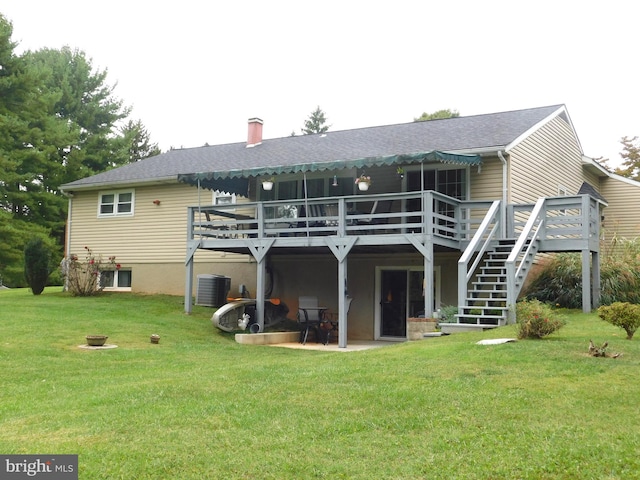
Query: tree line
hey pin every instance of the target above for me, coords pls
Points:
(59, 121)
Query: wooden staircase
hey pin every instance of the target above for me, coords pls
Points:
(487, 304)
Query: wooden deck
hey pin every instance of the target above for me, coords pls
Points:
(498, 243)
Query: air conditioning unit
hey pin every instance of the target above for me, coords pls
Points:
(212, 290)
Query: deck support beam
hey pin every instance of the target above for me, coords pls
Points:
(188, 286)
(259, 250)
(590, 280)
(340, 247)
(424, 245)
(595, 276)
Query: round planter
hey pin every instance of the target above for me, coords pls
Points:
(267, 185)
(96, 340)
(363, 186)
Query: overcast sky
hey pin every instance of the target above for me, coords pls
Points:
(195, 71)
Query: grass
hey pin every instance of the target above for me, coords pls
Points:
(199, 405)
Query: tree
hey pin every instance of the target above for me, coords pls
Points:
(14, 235)
(37, 259)
(316, 123)
(28, 135)
(138, 141)
(440, 114)
(630, 154)
(59, 121)
(87, 104)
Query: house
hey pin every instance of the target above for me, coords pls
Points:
(455, 213)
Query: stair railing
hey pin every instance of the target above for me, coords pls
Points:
(518, 257)
(486, 233)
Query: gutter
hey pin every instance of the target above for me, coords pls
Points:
(69, 187)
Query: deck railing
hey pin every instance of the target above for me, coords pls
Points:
(446, 220)
(430, 213)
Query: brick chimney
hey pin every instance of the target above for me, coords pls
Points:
(255, 132)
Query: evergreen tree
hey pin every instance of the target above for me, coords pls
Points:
(316, 123)
(440, 114)
(138, 141)
(37, 259)
(59, 121)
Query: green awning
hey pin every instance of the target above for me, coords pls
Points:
(237, 181)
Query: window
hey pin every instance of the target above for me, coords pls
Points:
(223, 198)
(115, 204)
(116, 280)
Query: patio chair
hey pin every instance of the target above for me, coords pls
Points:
(378, 207)
(332, 321)
(310, 314)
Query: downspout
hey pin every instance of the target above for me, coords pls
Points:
(67, 250)
(505, 191)
(67, 240)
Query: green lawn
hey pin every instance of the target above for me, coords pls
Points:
(199, 406)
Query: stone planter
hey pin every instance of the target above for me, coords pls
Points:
(96, 340)
(417, 327)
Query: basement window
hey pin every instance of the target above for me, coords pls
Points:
(116, 280)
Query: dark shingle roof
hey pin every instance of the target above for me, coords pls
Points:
(462, 135)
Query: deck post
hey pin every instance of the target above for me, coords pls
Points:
(260, 296)
(191, 249)
(586, 281)
(428, 283)
(595, 278)
(188, 286)
(342, 302)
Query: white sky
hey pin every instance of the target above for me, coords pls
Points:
(194, 71)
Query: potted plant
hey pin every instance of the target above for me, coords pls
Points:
(363, 182)
(268, 183)
(400, 172)
(96, 340)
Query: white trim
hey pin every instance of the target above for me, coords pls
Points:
(540, 124)
(116, 201)
(116, 273)
(218, 195)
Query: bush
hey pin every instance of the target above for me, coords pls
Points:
(83, 277)
(558, 280)
(622, 314)
(37, 260)
(448, 314)
(536, 319)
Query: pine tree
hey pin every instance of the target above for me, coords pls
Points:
(316, 123)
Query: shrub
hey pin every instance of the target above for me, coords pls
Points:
(622, 314)
(37, 259)
(536, 319)
(448, 314)
(83, 277)
(558, 280)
